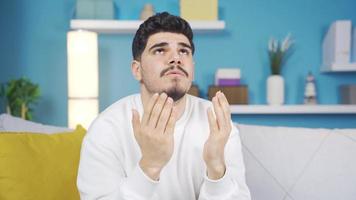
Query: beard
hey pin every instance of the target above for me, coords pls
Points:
(176, 92)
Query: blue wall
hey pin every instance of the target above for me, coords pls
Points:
(33, 44)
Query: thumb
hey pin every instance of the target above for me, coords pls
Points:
(135, 120)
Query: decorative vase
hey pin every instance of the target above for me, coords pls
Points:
(275, 90)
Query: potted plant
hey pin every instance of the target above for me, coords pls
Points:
(19, 96)
(278, 52)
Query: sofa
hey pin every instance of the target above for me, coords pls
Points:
(282, 163)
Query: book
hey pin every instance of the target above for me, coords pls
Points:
(227, 76)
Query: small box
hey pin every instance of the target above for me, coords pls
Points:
(85, 9)
(199, 9)
(234, 94)
(194, 90)
(94, 9)
(104, 9)
(348, 94)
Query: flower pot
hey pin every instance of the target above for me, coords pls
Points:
(275, 90)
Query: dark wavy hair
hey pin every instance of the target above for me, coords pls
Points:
(160, 22)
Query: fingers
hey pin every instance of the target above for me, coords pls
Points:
(135, 121)
(171, 122)
(222, 111)
(158, 114)
(165, 114)
(225, 105)
(156, 111)
(212, 121)
(220, 118)
(148, 109)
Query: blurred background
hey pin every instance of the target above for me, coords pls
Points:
(33, 44)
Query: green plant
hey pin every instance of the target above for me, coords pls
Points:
(278, 53)
(19, 95)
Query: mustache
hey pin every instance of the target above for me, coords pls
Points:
(171, 68)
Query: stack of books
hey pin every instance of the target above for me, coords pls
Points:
(228, 81)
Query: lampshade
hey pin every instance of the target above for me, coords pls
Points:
(82, 111)
(82, 77)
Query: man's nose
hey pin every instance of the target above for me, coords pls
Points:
(175, 58)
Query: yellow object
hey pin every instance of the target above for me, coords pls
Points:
(37, 166)
(199, 9)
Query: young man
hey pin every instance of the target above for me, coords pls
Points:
(163, 144)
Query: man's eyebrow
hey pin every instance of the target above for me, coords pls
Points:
(161, 44)
(185, 45)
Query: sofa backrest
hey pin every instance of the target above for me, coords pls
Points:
(299, 163)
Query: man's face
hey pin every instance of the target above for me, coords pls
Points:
(166, 65)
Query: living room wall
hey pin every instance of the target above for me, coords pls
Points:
(33, 44)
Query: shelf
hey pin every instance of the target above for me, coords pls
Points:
(293, 109)
(350, 67)
(130, 26)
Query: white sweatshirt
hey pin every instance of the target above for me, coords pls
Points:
(109, 167)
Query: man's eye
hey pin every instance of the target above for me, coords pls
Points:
(184, 51)
(159, 51)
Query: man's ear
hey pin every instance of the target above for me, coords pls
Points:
(136, 69)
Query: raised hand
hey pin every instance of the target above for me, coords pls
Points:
(220, 128)
(154, 134)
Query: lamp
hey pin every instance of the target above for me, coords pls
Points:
(83, 103)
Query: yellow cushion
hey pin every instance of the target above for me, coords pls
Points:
(39, 166)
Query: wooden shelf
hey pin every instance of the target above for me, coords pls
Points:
(293, 109)
(350, 67)
(130, 26)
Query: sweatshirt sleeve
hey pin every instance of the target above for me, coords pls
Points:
(232, 186)
(101, 174)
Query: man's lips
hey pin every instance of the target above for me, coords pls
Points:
(175, 72)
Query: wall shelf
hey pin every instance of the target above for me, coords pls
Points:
(130, 26)
(350, 67)
(293, 109)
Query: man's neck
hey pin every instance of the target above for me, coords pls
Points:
(179, 105)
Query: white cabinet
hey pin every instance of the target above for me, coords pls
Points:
(337, 48)
(348, 67)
